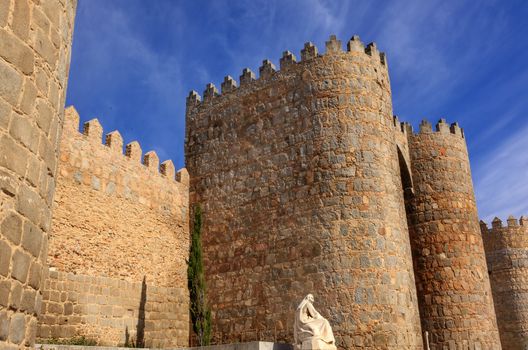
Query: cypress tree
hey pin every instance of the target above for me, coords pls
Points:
(200, 311)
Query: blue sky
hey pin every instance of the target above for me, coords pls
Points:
(134, 61)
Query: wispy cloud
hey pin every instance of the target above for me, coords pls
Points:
(134, 62)
(501, 179)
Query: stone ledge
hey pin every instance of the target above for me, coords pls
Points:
(255, 345)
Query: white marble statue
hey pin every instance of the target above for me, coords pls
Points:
(311, 331)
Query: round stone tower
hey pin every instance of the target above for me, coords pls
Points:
(298, 176)
(35, 44)
(507, 256)
(456, 306)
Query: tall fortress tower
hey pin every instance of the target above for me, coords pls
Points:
(507, 255)
(309, 184)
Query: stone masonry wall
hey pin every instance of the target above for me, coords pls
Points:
(507, 257)
(453, 288)
(298, 176)
(117, 216)
(35, 45)
(113, 312)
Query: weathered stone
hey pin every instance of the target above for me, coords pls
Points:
(35, 274)
(22, 131)
(13, 156)
(27, 303)
(507, 261)
(44, 47)
(29, 204)
(45, 116)
(5, 114)
(15, 295)
(5, 289)
(10, 81)
(21, 19)
(4, 325)
(444, 220)
(15, 51)
(20, 168)
(4, 12)
(17, 329)
(20, 265)
(32, 239)
(12, 228)
(27, 103)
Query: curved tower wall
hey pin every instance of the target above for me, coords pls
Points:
(507, 256)
(298, 177)
(450, 268)
(35, 45)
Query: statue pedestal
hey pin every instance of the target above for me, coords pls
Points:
(317, 344)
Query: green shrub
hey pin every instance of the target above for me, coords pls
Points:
(200, 311)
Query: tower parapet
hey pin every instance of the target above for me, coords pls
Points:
(453, 288)
(294, 171)
(506, 248)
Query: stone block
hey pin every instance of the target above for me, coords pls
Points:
(40, 20)
(17, 328)
(4, 12)
(22, 131)
(20, 265)
(15, 295)
(55, 308)
(45, 116)
(13, 156)
(10, 83)
(27, 303)
(16, 52)
(5, 257)
(31, 332)
(20, 23)
(12, 228)
(29, 204)
(5, 289)
(35, 273)
(68, 308)
(38, 303)
(29, 96)
(5, 113)
(4, 325)
(32, 239)
(44, 47)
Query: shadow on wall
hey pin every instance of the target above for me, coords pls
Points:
(140, 328)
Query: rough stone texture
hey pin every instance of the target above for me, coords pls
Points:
(107, 309)
(115, 217)
(28, 151)
(456, 305)
(299, 179)
(507, 257)
(256, 345)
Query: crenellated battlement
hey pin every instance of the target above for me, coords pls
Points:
(288, 62)
(425, 127)
(500, 235)
(93, 131)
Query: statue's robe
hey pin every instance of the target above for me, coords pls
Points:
(309, 324)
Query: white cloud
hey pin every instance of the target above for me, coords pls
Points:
(501, 180)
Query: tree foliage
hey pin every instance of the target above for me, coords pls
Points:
(200, 311)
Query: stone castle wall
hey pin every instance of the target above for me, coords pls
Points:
(35, 45)
(117, 216)
(113, 312)
(452, 282)
(507, 256)
(299, 179)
